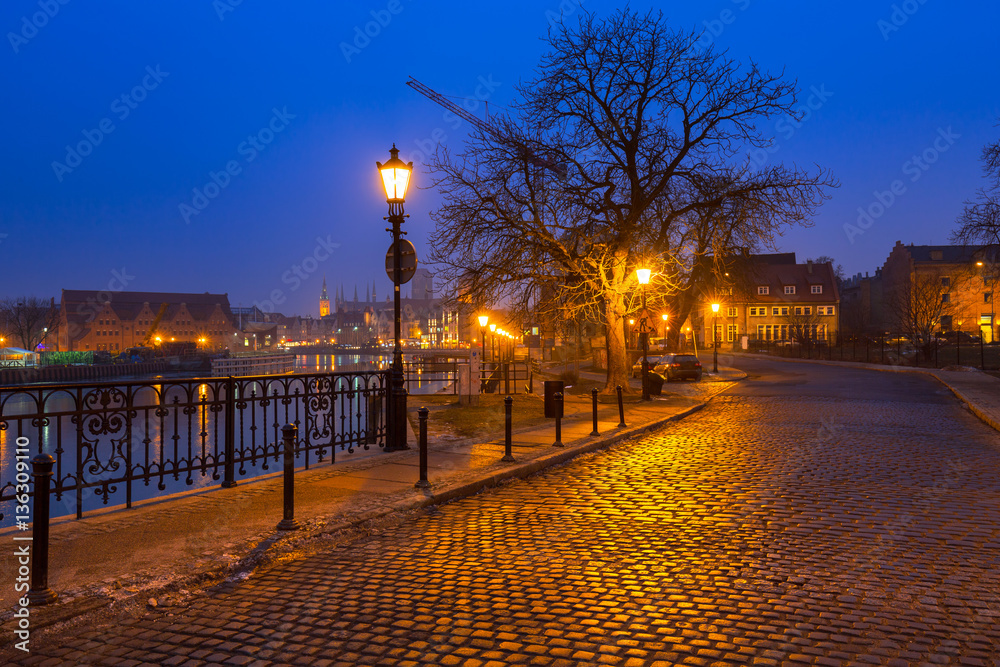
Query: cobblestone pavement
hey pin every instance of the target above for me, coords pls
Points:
(836, 517)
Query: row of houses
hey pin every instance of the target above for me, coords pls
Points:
(922, 290)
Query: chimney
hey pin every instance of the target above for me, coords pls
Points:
(809, 266)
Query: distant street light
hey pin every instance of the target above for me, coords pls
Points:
(715, 342)
(643, 277)
(395, 179)
(665, 316)
(483, 320)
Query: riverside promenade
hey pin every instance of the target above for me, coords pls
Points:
(809, 514)
(160, 552)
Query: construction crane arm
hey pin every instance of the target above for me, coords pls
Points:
(156, 323)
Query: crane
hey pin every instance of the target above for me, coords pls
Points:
(156, 322)
(559, 169)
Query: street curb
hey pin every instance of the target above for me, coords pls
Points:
(975, 409)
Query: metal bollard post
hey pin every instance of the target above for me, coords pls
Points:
(288, 434)
(40, 593)
(559, 411)
(621, 409)
(593, 397)
(982, 353)
(508, 406)
(422, 483)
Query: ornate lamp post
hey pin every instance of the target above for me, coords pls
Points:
(643, 277)
(483, 320)
(715, 343)
(395, 179)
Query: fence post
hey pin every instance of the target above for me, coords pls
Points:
(288, 434)
(621, 408)
(593, 397)
(422, 483)
(228, 480)
(508, 406)
(559, 410)
(40, 593)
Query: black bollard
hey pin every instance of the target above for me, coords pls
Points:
(559, 412)
(621, 409)
(508, 406)
(593, 398)
(422, 483)
(982, 353)
(40, 593)
(288, 434)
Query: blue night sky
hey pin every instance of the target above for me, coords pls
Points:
(887, 93)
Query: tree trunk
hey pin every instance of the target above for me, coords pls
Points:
(618, 366)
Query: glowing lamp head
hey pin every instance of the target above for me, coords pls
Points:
(631, 321)
(664, 316)
(395, 177)
(483, 319)
(715, 307)
(493, 327)
(643, 276)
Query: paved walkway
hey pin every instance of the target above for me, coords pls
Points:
(809, 516)
(978, 390)
(160, 550)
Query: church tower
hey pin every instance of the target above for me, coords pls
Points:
(324, 301)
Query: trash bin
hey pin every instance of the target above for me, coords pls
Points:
(552, 387)
(654, 382)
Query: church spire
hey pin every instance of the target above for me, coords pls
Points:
(323, 295)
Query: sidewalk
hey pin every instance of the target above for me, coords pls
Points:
(979, 391)
(160, 552)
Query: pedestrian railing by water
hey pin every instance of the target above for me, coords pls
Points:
(118, 443)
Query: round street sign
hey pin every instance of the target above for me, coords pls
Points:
(407, 262)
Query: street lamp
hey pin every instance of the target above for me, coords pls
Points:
(715, 343)
(483, 319)
(395, 179)
(665, 316)
(642, 275)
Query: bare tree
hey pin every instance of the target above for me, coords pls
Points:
(916, 307)
(626, 142)
(27, 318)
(979, 222)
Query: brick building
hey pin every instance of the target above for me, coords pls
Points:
(116, 321)
(771, 297)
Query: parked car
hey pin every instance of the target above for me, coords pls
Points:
(653, 361)
(950, 337)
(679, 367)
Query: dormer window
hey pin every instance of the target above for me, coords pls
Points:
(763, 290)
(789, 289)
(817, 289)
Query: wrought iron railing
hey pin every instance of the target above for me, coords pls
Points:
(123, 442)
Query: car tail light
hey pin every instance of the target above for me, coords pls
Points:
(697, 364)
(675, 365)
